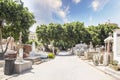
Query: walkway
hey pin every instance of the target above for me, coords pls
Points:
(63, 68)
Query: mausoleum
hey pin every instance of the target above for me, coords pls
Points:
(116, 45)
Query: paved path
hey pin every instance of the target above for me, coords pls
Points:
(64, 53)
(63, 68)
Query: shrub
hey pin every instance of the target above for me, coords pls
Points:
(96, 60)
(51, 55)
(115, 62)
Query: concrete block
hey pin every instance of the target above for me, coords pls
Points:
(23, 66)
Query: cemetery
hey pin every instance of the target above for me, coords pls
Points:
(105, 56)
(60, 50)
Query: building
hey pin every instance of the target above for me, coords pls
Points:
(32, 36)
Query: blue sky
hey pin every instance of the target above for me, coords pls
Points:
(91, 12)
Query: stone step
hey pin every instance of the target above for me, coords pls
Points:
(38, 59)
(38, 62)
(33, 59)
(112, 72)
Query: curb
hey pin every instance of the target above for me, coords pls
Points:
(105, 71)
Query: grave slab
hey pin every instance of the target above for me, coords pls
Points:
(23, 66)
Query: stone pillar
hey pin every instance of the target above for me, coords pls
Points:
(108, 47)
(116, 45)
(32, 53)
(105, 47)
(33, 46)
(105, 56)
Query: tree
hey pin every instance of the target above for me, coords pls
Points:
(69, 34)
(42, 34)
(18, 19)
(100, 32)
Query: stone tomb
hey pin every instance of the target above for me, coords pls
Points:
(116, 45)
(108, 55)
(32, 56)
(91, 52)
(22, 66)
(34, 59)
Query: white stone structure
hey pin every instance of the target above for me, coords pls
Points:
(33, 52)
(116, 45)
(108, 56)
(91, 49)
(33, 36)
(21, 65)
(11, 44)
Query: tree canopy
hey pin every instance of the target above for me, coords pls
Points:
(64, 36)
(100, 32)
(17, 17)
(67, 35)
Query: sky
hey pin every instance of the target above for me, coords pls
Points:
(91, 12)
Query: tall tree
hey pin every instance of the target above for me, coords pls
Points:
(100, 32)
(18, 19)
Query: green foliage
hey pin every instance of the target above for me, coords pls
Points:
(51, 55)
(100, 32)
(67, 35)
(63, 36)
(115, 62)
(17, 17)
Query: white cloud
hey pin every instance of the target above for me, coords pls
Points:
(44, 10)
(76, 1)
(98, 4)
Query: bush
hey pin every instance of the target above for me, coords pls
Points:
(115, 62)
(96, 60)
(51, 55)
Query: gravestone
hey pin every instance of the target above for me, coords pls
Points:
(11, 44)
(21, 65)
(27, 48)
(20, 49)
(116, 45)
(33, 52)
(91, 49)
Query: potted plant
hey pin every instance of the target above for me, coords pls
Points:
(114, 65)
(96, 60)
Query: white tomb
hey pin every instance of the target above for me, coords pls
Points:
(20, 64)
(116, 44)
(108, 55)
(33, 52)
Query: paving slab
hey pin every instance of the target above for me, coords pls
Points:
(63, 68)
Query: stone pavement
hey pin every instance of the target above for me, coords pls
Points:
(105, 69)
(64, 53)
(1, 63)
(62, 68)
